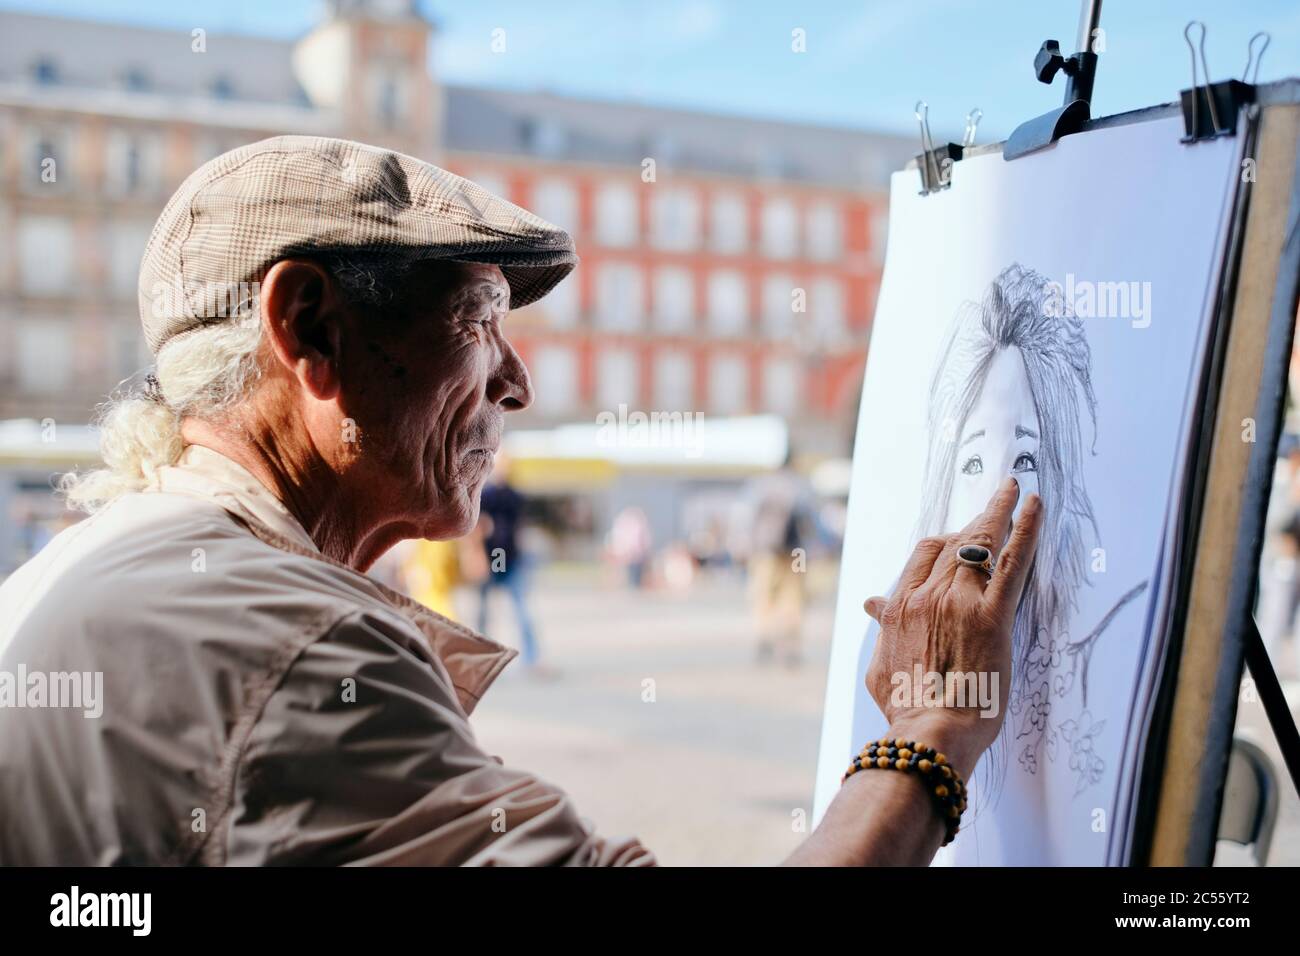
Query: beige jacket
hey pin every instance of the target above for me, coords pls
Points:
(261, 703)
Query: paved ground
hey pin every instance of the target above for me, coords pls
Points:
(660, 722)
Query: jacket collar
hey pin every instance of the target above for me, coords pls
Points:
(472, 661)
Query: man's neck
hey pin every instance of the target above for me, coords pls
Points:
(294, 470)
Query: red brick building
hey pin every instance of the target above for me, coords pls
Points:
(729, 265)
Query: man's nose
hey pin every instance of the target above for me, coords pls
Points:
(511, 387)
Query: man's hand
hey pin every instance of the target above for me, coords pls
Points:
(947, 617)
(952, 618)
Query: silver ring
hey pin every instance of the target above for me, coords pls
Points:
(976, 556)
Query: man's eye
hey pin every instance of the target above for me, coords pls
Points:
(1025, 463)
(974, 466)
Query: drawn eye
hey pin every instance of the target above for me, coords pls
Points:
(1025, 463)
(974, 466)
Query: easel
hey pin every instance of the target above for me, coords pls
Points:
(1186, 766)
(1212, 631)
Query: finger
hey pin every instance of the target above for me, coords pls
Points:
(1013, 567)
(918, 566)
(990, 530)
(875, 607)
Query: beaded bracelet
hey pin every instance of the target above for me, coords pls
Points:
(943, 783)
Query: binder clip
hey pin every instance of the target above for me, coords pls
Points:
(936, 164)
(1210, 111)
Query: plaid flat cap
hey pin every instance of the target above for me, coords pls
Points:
(238, 214)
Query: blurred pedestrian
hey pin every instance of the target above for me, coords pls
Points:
(778, 564)
(499, 517)
(1279, 573)
(430, 573)
(631, 544)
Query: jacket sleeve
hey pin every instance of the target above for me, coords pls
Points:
(362, 755)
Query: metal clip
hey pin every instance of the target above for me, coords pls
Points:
(1205, 67)
(1251, 57)
(935, 164)
(1223, 100)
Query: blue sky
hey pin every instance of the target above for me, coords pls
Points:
(867, 61)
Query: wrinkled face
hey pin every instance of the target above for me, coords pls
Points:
(429, 391)
(1000, 437)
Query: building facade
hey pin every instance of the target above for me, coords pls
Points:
(729, 266)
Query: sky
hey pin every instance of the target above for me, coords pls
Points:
(866, 62)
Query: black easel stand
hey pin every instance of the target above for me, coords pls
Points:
(1081, 70)
(1274, 701)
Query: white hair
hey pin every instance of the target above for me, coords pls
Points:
(201, 374)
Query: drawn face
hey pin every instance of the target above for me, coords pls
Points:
(1000, 438)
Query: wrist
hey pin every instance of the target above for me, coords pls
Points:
(947, 733)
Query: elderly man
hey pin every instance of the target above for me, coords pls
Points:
(263, 700)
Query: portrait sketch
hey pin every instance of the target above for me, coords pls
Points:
(1012, 394)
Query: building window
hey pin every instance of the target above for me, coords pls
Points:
(222, 88)
(560, 305)
(44, 356)
(45, 71)
(675, 219)
(781, 385)
(780, 229)
(617, 222)
(619, 296)
(126, 242)
(825, 231)
(674, 384)
(388, 95)
(729, 223)
(826, 304)
(45, 255)
(728, 384)
(617, 381)
(543, 137)
(135, 79)
(47, 164)
(778, 305)
(129, 352)
(674, 300)
(134, 163)
(728, 303)
(556, 201)
(879, 234)
(554, 371)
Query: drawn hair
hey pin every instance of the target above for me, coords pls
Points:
(1019, 310)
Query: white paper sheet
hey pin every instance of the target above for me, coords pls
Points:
(1122, 229)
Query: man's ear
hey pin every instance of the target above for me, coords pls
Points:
(303, 316)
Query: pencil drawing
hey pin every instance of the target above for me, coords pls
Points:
(1012, 393)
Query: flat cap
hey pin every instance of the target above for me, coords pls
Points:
(239, 213)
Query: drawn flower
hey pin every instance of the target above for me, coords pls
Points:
(1046, 653)
(1029, 759)
(1016, 704)
(1081, 735)
(1040, 705)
